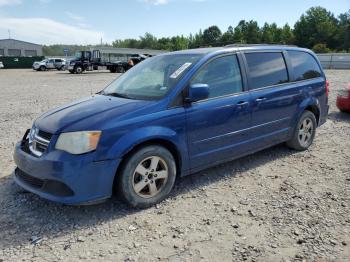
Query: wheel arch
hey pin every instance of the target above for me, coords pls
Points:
(310, 104)
(166, 143)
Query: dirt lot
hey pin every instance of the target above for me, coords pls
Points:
(276, 205)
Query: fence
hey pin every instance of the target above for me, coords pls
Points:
(19, 62)
(335, 60)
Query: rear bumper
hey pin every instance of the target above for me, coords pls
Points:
(79, 181)
(324, 116)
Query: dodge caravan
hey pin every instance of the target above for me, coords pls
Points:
(172, 115)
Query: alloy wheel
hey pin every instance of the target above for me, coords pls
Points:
(150, 176)
(305, 132)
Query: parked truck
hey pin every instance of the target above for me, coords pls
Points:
(93, 60)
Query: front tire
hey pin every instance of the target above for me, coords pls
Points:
(78, 70)
(147, 176)
(304, 132)
(42, 68)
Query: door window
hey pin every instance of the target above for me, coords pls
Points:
(222, 75)
(266, 69)
(304, 65)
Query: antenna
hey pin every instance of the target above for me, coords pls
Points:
(9, 33)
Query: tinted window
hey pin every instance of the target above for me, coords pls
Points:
(304, 65)
(223, 76)
(266, 69)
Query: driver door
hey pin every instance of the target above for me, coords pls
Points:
(217, 126)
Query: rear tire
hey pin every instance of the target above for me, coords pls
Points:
(120, 70)
(147, 177)
(304, 132)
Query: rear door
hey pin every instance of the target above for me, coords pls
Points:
(274, 98)
(50, 63)
(217, 126)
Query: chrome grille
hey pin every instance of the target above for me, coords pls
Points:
(38, 141)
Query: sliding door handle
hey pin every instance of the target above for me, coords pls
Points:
(242, 103)
(260, 99)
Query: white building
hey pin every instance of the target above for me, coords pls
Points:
(13, 47)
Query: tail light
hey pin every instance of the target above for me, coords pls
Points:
(327, 88)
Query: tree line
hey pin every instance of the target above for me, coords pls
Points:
(317, 29)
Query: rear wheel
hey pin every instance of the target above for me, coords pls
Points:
(304, 132)
(120, 69)
(113, 69)
(147, 176)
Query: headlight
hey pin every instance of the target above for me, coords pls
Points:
(78, 142)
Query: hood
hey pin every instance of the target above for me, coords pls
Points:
(88, 113)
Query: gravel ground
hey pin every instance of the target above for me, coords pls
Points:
(276, 205)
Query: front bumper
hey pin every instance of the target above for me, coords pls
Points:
(76, 181)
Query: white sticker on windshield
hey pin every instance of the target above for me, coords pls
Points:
(180, 70)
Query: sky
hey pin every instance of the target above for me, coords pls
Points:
(87, 21)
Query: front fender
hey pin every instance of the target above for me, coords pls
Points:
(140, 135)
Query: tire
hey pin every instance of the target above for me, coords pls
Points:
(42, 68)
(148, 185)
(113, 70)
(78, 69)
(120, 70)
(71, 71)
(61, 68)
(304, 132)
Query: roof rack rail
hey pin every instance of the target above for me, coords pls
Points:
(243, 45)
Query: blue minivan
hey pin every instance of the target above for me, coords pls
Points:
(170, 116)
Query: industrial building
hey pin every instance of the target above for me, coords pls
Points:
(18, 48)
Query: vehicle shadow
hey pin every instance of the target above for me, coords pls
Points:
(339, 116)
(24, 215)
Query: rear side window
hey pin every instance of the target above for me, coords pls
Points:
(304, 65)
(222, 75)
(266, 69)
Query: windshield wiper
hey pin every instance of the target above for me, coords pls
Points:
(116, 95)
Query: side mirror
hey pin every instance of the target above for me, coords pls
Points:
(197, 92)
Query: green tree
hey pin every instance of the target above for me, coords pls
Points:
(212, 35)
(287, 35)
(343, 34)
(228, 37)
(267, 34)
(316, 26)
(321, 48)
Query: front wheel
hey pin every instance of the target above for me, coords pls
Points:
(42, 68)
(78, 70)
(147, 177)
(304, 132)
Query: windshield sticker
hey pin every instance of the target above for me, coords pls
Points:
(180, 70)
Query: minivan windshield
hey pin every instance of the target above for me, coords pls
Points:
(153, 78)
